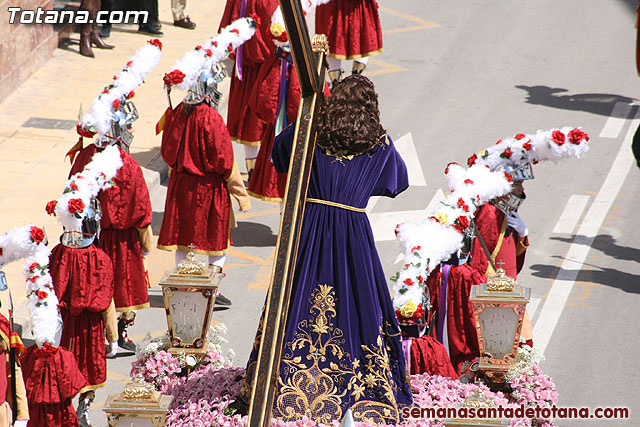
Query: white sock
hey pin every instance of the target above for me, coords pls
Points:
(362, 60)
(218, 260)
(334, 63)
(251, 151)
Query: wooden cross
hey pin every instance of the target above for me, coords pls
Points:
(310, 65)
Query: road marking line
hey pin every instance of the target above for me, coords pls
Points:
(422, 24)
(571, 214)
(383, 224)
(407, 150)
(579, 249)
(533, 306)
(263, 277)
(243, 255)
(387, 68)
(616, 120)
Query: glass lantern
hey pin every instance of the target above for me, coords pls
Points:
(189, 292)
(498, 310)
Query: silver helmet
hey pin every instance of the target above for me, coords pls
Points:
(90, 228)
(206, 87)
(520, 172)
(509, 202)
(120, 132)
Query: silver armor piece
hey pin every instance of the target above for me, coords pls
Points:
(520, 173)
(509, 203)
(206, 87)
(120, 124)
(90, 228)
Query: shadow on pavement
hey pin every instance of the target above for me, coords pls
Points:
(253, 234)
(607, 245)
(595, 103)
(603, 276)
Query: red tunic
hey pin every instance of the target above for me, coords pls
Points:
(352, 26)
(492, 226)
(125, 207)
(266, 183)
(83, 281)
(463, 339)
(429, 356)
(198, 149)
(52, 379)
(244, 125)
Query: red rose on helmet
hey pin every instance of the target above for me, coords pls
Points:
(129, 63)
(116, 104)
(131, 94)
(37, 235)
(463, 221)
(418, 313)
(507, 153)
(173, 78)
(509, 177)
(446, 170)
(42, 295)
(472, 160)
(51, 207)
(558, 137)
(76, 205)
(498, 141)
(520, 136)
(33, 266)
(235, 30)
(468, 181)
(208, 52)
(156, 42)
(408, 281)
(576, 136)
(527, 146)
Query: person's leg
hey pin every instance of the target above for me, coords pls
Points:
(84, 402)
(635, 146)
(105, 31)
(359, 65)
(335, 70)
(250, 156)
(180, 17)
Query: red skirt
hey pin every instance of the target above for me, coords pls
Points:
(244, 125)
(267, 184)
(129, 278)
(83, 335)
(429, 356)
(352, 26)
(197, 211)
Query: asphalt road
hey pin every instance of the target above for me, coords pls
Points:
(454, 78)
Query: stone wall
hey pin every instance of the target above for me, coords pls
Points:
(23, 47)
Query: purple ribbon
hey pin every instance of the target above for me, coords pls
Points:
(442, 306)
(243, 9)
(406, 347)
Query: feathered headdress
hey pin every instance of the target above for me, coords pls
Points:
(184, 74)
(97, 175)
(98, 118)
(277, 27)
(29, 242)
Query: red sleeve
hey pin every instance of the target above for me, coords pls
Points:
(172, 136)
(217, 150)
(127, 204)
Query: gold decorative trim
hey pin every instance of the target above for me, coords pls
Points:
(362, 55)
(133, 308)
(265, 198)
(198, 251)
(243, 142)
(334, 204)
(320, 43)
(92, 387)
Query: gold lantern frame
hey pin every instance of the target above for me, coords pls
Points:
(190, 276)
(500, 291)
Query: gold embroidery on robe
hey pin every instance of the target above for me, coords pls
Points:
(324, 381)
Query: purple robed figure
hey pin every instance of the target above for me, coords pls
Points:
(342, 346)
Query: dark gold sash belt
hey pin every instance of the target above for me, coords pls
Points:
(334, 204)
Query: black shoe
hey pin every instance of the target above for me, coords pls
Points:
(222, 300)
(123, 340)
(149, 29)
(127, 345)
(185, 23)
(105, 31)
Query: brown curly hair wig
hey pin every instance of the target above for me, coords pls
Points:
(349, 119)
